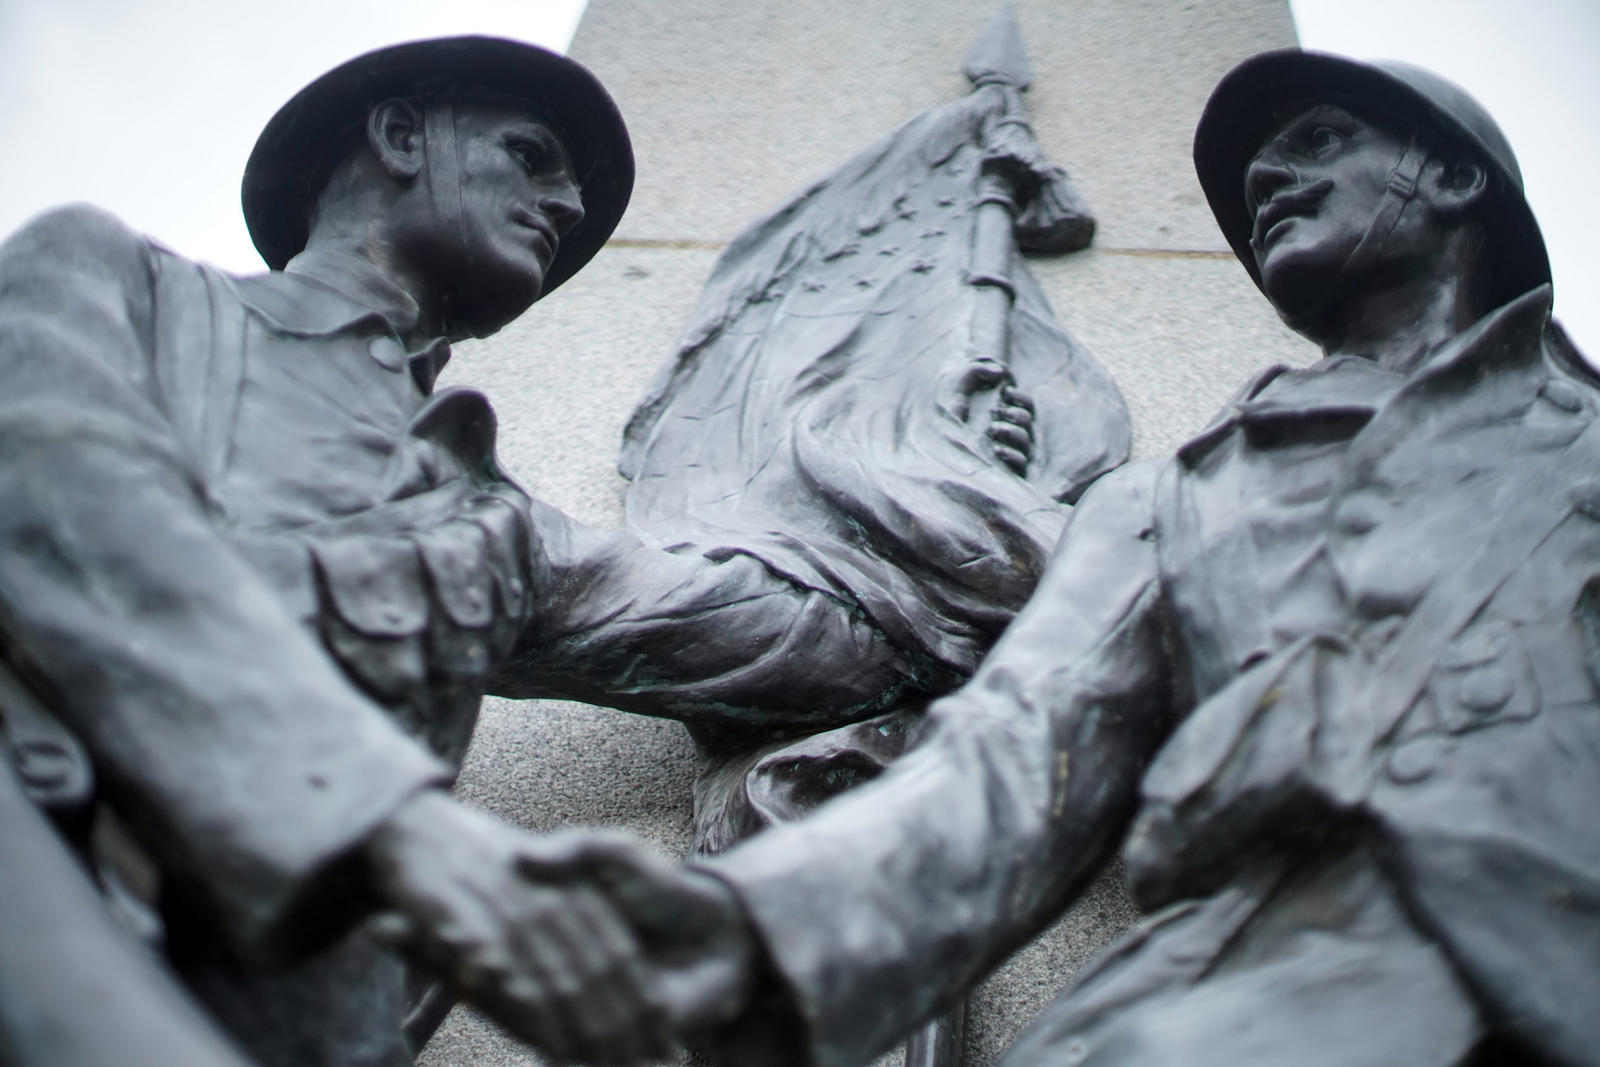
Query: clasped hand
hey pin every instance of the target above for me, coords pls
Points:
(583, 945)
(981, 391)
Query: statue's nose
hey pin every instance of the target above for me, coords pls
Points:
(563, 207)
(1265, 176)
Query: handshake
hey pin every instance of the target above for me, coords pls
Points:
(583, 945)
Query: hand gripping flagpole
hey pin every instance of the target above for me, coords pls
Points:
(1020, 200)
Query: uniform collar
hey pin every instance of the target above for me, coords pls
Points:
(1344, 391)
(364, 289)
(1351, 390)
(321, 293)
(1346, 385)
(1509, 334)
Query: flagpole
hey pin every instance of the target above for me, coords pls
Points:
(997, 60)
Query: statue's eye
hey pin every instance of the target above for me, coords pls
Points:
(1325, 139)
(535, 156)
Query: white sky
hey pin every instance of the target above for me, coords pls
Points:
(149, 107)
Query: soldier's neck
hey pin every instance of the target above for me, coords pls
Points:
(1397, 325)
(375, 269)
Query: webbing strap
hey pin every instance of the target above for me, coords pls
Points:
(1398, 192)
(444, 162)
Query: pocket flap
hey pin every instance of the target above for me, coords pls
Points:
(375, 584)
(457, 557)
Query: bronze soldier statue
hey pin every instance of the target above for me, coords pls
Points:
(1327, 671)
(260, 574)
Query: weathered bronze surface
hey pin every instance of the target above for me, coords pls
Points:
(1326, 673)
(258, 574)
(874, 401)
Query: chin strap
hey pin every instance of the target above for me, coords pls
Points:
(1398, 192)
(444, 165)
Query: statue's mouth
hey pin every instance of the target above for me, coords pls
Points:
(1284, 207)
(532, 220)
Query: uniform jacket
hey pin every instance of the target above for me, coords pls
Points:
(1235, 608)
(265, 573)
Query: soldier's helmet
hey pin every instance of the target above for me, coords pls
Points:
(293, 156)
(1265, 91)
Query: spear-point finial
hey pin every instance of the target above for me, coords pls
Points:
(998, 56)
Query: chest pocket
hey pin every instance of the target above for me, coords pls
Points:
(422, 596)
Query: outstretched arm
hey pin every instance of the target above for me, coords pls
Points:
(838, 934)
(895, 898)
(722, 643)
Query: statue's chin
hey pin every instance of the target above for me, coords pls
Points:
(482, 311)
(1302, 297)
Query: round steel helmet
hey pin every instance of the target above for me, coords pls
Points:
(1258, 96)
(293, 156)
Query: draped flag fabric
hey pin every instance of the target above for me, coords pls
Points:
(814, 416)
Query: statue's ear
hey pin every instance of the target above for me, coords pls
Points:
(1454, 186)
(394, 133)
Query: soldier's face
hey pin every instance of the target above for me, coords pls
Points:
(518, 198)
(1314, 189)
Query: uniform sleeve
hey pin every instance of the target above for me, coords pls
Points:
(215, 722)
(892, 900)
(722, 643)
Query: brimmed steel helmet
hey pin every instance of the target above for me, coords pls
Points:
(293, 156)
(1259, 95)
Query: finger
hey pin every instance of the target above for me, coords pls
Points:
(1016, 397)
(1014, 415)
(595, 950)
(697, 955)
(572, 856)
(392, 930)
(1016, 461)
(580, 962)
(523, 1006)
(627, 1009)
(654, 914)
(984, 372)
(1014, 437)
(453, 945)
(675, 911)
(617, 865)
(514, 978)
(707, 994)
(713, 985)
